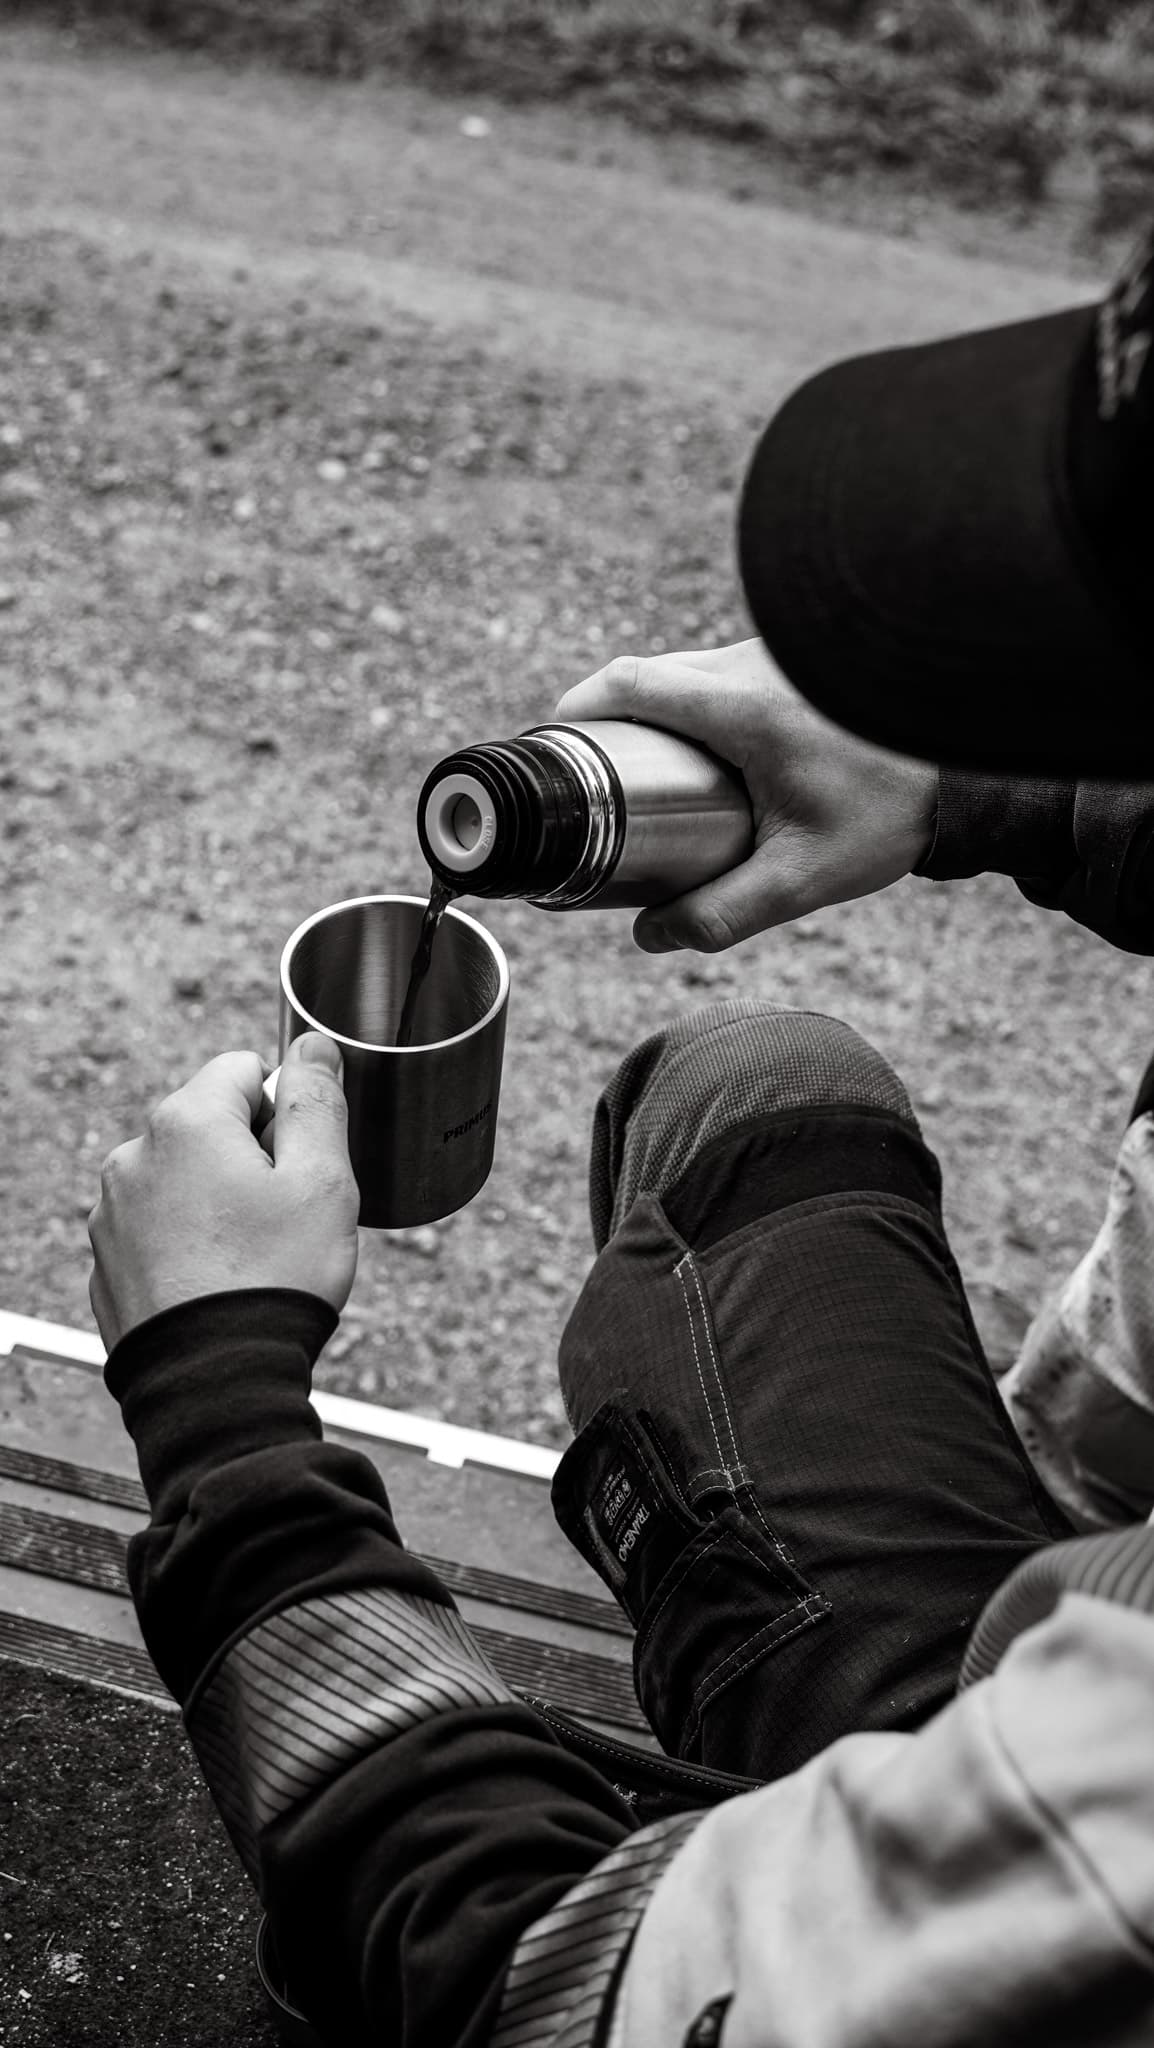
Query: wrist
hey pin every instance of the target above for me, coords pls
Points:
(995, 824)
(925, 798)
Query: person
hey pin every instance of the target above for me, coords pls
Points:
(908, 1710)
(837, 817)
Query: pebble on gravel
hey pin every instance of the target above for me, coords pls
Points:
(19, 489)
(423, 1240)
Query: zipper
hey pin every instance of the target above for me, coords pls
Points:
(694, 1782)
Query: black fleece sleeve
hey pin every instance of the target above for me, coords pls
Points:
(1086, 848)
(405, 1817)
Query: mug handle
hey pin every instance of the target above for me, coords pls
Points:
(267, 1109)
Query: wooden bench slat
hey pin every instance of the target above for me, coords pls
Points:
(87, 1554)
(503, 1589)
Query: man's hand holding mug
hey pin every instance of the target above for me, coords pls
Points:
(202, 1204)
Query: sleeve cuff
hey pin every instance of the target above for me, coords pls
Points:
(994, 824)
(213, 1379)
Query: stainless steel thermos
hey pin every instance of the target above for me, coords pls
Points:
(583, 816)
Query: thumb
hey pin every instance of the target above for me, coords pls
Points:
(774, 885)
(311, 1122)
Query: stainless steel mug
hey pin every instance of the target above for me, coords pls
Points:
(422, 1117)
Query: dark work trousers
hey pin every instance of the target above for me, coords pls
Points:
(791, 1464)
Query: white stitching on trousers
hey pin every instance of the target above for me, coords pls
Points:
(713, 1355)
(678, 1269)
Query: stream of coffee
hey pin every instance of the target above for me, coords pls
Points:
(440, 897)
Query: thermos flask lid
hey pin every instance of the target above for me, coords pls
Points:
(460, 820)
(605, 812)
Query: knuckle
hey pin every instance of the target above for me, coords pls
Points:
(626, 678)
(167, 1118)
(316, 1098)
(716, 927)
(113, 1171)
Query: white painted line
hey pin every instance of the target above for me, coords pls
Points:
(16, 1331)
(442, 1442)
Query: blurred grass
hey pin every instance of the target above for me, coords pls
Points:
(990, 102)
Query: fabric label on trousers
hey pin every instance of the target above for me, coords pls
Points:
(616, 1501)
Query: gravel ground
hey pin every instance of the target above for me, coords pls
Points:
(266, 556)
(127, 1920)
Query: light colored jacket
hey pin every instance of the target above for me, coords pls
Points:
(989, 1881)
(986, 1882)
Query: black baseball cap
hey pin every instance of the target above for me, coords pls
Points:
(949, 548)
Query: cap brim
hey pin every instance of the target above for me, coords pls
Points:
(911, 559)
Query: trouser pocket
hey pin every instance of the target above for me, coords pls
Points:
(710, 1591)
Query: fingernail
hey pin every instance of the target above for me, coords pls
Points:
(655, 939)
(318, 1051)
